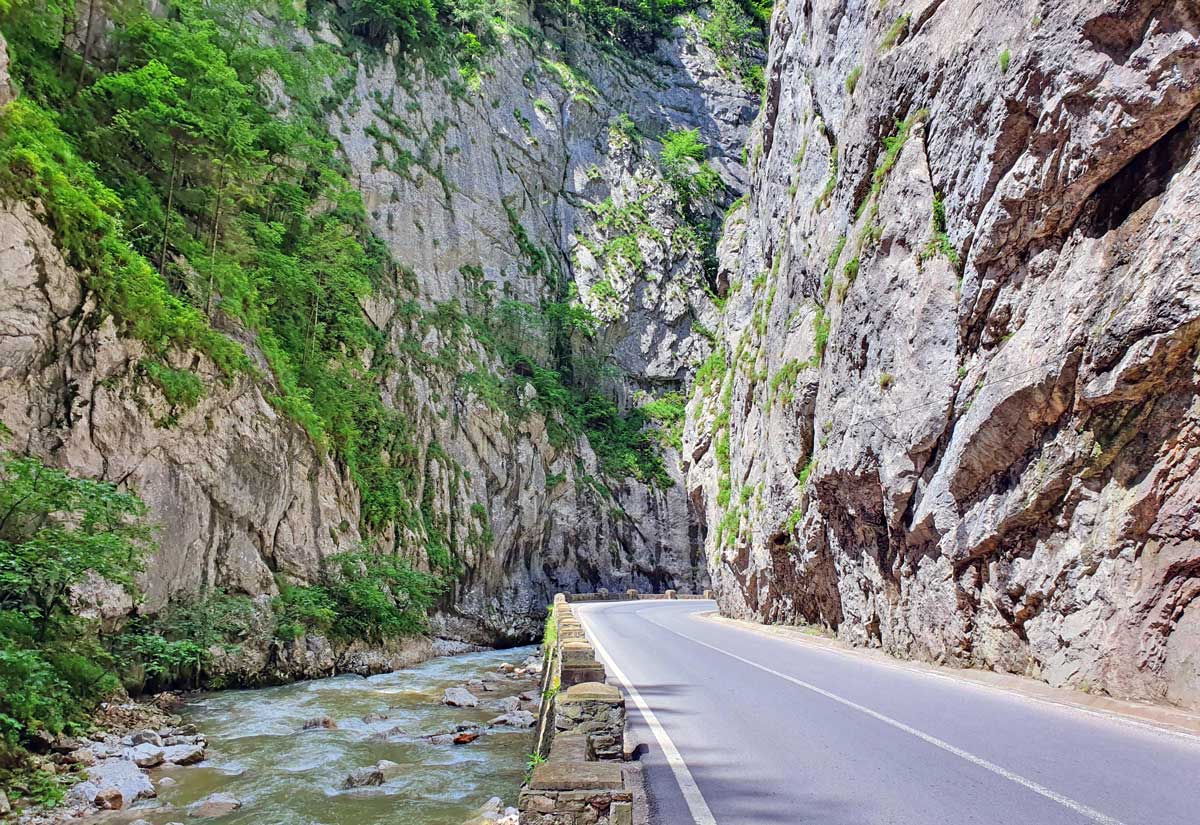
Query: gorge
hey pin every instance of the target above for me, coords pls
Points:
(875, 316)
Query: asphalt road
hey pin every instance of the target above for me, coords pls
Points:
(745, 729)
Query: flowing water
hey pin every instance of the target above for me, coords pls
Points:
(284, 775)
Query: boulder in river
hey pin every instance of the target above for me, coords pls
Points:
(458, 697)
(515, 719)
(507, 704)
(184, 754)
(363, 777)
(320, 723)
(389, 769)
(466, 737)
(217, 804)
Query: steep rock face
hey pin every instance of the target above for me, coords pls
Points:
(481, 192)
(955, 414)
(502, 193)
(237, 492)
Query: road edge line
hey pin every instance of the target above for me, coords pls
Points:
(692, 796)
(979, 761)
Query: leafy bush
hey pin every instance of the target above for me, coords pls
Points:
(377, 596)
(56, 532)
(684, 166)
(735, 33)
(301, 609)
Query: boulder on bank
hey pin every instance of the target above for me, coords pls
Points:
(217, 804)
(146, 737)
(146, 755)
(120, 775)
(458, 697)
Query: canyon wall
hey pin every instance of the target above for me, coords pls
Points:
(481, 191)
(954, 413)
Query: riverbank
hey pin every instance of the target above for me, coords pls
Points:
(426, 745)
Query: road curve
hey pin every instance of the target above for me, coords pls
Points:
(746, 729)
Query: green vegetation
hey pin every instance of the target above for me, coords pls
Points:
(896, 31)
(58, 533)
(885, 380)
(1005, 59)
(783, 382)
(735, 31)
(180, 195)
(830, 183)
(939, 240)
(852, 79)
(55, 532)
(684, 167)
(806, 471)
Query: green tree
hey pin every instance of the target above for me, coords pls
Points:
(55, 531)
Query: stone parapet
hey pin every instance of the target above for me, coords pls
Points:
(581, 725)
(596, 711)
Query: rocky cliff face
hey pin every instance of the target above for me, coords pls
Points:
(482, 191)
(955, 412)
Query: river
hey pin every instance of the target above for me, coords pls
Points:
(284, 775)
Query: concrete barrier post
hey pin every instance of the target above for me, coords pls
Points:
(708, 594)
(631, 594)
(671, 594)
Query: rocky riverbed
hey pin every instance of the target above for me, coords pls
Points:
(425, 746)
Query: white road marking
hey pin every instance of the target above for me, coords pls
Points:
(1066, 802)
(699, 809)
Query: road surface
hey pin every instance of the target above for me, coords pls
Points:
(742, 728)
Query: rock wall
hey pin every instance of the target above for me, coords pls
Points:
(487, 186)
(955, 411)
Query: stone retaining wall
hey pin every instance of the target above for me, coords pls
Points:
(581, 726)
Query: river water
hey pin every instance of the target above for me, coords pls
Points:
(284, 775)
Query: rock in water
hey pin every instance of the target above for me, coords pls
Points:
(217, 804)
(516, 719)
(319, 723)
(458, 697)
(466, 737)
(390, 770)
(184, 754)
(363, 777)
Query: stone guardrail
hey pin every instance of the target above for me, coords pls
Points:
(581, 726)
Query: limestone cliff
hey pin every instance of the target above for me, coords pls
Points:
(955, 409)
(480, 191)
